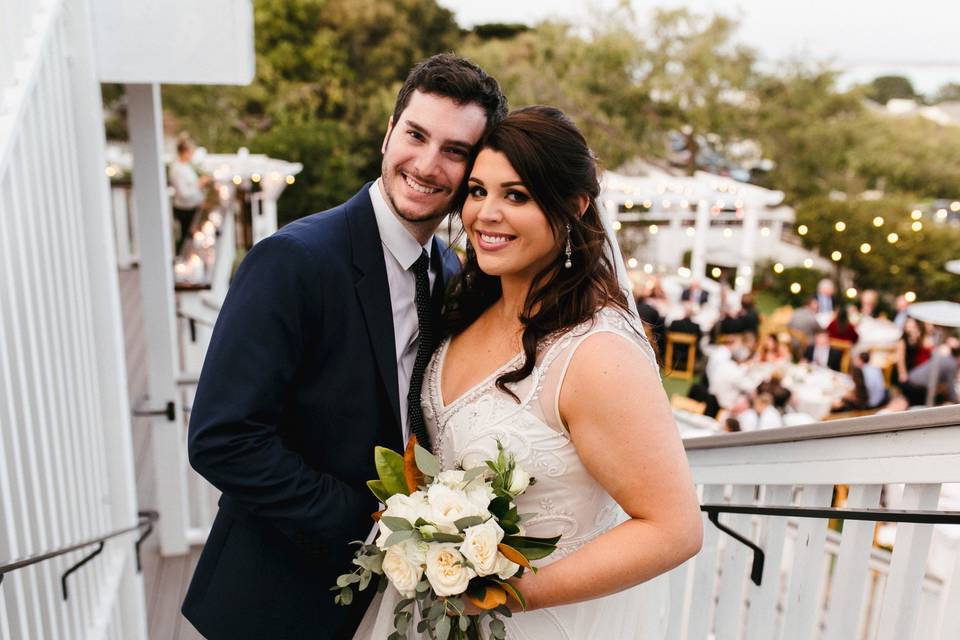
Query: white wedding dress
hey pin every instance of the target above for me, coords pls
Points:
(566, 499)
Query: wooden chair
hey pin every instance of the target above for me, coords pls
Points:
(727, 338)
(844, 347)
(688, 404)
(690, 340)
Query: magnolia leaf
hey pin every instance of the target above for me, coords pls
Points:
(513, 592)
(499, 507)
(396, 524)
(376, 514)
(426, 461)
(378, 490)
(390, 469)
(412, 474)
(513, 555)
(467, 522)
(493, 597)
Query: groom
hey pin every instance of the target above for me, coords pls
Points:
(316, 358)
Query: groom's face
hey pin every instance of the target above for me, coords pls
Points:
(425, 155)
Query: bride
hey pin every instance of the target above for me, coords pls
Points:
(546, 356)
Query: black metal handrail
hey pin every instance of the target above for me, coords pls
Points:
(146, 521)
(713, 512)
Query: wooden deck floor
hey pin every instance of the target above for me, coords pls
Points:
(165, 579)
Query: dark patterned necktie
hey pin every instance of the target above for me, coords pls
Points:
(424, 348)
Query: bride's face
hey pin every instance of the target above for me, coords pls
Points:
(508, 230)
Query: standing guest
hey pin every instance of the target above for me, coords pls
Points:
(688, 326)
(840, 328)
(694, 294)
(725, 373)
(946, 360)
(900, 305)
(868, 306)
(187, 190)
(653, 321)
(804, 319)
(821, 353)
(827, 300)
(748, 318)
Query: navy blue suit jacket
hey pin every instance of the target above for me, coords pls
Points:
(298, 386)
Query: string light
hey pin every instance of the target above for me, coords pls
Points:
(917, 226)
(617, 225)
(892, 238)
(910, 296)
(778, 268)
(683, 272)
(795, 288)
(835, 256)
(916, 214)
(808, 263)
(715, 272)
(628, 204)
(654, 229)
(647, 204)
(840, 226)
(865, 247)
(728, 232)
(765, 231)
(632, 263)
(255, 177)
(942, 214)
(648, 268)
(290, 179)
(878, 221)
(851, 293)
(111, 171)
(802, 230)
(237, 180)
(955, 206)
(894, 269)
(691, 231)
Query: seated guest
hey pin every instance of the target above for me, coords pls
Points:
(762, 415)
(748, 317)
(869, 390)
(821, 353)
(946, 359)
(774, 386)
(840, 328)
(684, 325)
(913, 349)
(725, 374)
(804, 319)
(772, 349)
(654, 321)
(694, 294)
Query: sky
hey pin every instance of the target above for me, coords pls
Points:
(916, 38)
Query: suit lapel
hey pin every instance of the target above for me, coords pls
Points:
(373, 292)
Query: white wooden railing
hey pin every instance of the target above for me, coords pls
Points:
(124, 226)
(66, 463)
(818, 583)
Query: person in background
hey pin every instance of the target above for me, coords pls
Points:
(187, 190)
(684, 325)
(725, 373)
(653, 322)
(946, 360)
(868, 306)
(821, 353)
(827, 301)
(694, 294)
(772, 350)
(840, 328)
(804, 320)
(913, 349)
(761, 415)
(900, 306)
(748, 318)
(869, 390)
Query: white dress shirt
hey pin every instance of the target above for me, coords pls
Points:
(400, 251)
(187, 193)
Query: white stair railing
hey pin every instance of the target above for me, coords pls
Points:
(818, 583)
(66, 462)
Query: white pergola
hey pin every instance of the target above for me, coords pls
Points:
(719, 219)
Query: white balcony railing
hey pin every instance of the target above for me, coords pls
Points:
(818, 582)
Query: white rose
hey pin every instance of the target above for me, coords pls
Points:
(403, 566)
(446, 571)
(407, 507)
(480, 494)
(519, 481)
(453, 478)
(480, 546)
(449, 505)
(506, 569)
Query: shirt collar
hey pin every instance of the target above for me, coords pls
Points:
(394, 236)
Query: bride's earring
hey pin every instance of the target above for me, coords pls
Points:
(569, 250)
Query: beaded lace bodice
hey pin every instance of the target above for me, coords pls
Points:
(566, 499)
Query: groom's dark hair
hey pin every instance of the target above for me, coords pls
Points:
(451, 76)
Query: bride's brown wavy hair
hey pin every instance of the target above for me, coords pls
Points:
(552, 158)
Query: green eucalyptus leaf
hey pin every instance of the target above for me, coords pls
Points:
(443, 628)
(346, 595)
(397, 536)
(426, 462)
(396, 524)
(471, 474)
(446, 537)
(467, 522)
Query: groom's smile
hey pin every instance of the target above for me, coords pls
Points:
(425, 157)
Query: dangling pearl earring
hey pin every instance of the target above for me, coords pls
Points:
(569, 250)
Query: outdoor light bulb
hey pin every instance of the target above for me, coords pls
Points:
(628, 204)
(910, 296)
(851, 293)
(916, 214)
(808, 263)
(255, 177)
(683, 272)
(765, 231)
(802, 229)
(715, 272)
(778, 268)
(665, 204)
(878, 221)
(728, 232)
(738, 281)
(835, 256)
(955, 206)
(648, 268)
(840, 226)
(917, 226)
(691, 231)
(290, 179)
(892, 238)
(865, 247)
(794, 288)
(616, 225)
(894, 269)
(632, 263)
(111, 171)
(647, 204)
(654, 229)
(942, 214)
(237, 179)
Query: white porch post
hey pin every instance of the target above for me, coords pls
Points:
(156, 287)
(698, 259)
(748, 251)
(264, 212)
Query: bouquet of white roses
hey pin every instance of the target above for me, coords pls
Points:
(446, 536)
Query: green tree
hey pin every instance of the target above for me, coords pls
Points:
(949, 92)
(885, 88)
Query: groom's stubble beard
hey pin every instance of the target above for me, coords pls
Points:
(431, 220)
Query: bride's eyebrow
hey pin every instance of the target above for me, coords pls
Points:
(515, 183)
